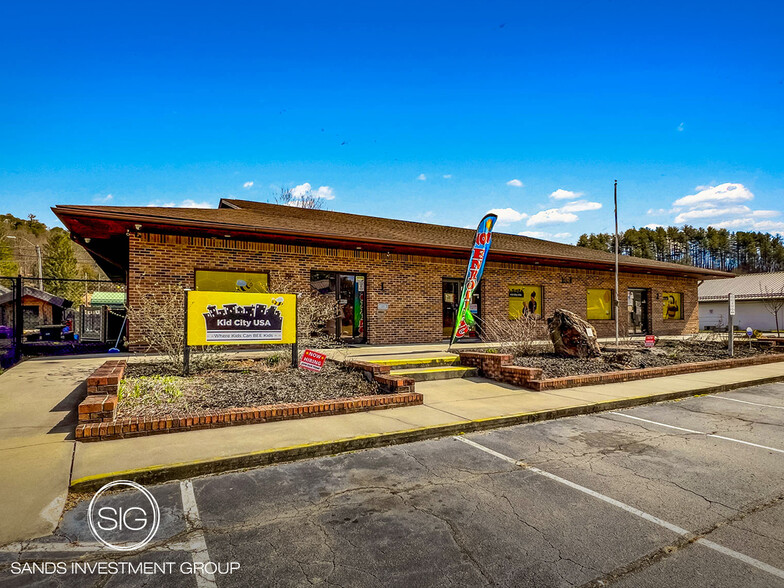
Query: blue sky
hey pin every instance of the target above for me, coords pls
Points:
(423, 111)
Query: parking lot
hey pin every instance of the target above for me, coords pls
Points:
(679, 493)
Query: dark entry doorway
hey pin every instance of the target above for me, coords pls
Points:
(638, 312)
(450, 301)
(349, 289)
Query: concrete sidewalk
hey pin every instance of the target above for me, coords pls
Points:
(38, 400)
(450, 407)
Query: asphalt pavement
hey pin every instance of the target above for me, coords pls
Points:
(689, 492)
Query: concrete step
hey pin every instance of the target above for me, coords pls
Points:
(403, 363)
(428, 374)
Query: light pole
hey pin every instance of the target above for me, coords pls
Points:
(40, 265)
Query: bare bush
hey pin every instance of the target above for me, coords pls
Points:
(314, 312)
(159, 317)
(525, 335)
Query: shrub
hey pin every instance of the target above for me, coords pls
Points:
(525, 335)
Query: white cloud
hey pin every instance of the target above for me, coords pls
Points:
(507, 215)
(302, 190)
(421, 177)
(516, 183)
(247, 185)
(580, 206)
(722, 207)
(325, 192)
(103, 199)
(561, 194)
(188, 203)
(708, 196)
(447, 176)
(751, 224)
(765, 213)
(551, 216)
(544, 235)
(653, 226)
(680, 128)
(712, 213)
(657, 211)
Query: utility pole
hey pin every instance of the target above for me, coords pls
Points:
(38, 252)
(40, 268)
(615, 198)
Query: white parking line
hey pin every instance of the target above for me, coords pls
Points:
(745, 402)
(644, 515)
(628, 416)
(198, 543)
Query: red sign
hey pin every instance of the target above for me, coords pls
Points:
(312, 360)
(650, 340)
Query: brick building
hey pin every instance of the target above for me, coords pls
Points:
(396, 281)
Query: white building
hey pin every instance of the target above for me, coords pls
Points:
(751, 293)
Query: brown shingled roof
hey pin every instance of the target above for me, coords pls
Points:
(261, 218)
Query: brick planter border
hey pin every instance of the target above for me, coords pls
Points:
(211, 419)
(497, 366)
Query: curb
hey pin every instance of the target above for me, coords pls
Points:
(183, 470)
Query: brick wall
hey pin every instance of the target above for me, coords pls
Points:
(409, 284)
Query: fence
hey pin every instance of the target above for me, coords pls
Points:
(52, 316)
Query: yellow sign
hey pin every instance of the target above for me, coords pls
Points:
(599, 304)
(241, 318)
(672, 307)
(220, 281)
(525, 300)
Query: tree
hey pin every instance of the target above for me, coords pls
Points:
(60, 265)
(305, 199)
(773, 300)
(8, 266)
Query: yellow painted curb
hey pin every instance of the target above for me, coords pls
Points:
(415, 361)
(181, 470)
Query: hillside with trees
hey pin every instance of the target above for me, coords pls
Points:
(61, 258)
(719, 249)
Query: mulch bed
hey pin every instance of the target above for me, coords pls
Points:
(664, 354)
(238, 383)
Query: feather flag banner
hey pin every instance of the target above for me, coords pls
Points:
(465, 321)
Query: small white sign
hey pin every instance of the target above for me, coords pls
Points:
(732, 304)
(589, 331)
(383, 306)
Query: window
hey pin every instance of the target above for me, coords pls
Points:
(525, 300)
(228, 281)
(672, 307)
(600, 303)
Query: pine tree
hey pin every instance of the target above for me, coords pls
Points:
(59, 265)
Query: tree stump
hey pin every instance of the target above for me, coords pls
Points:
(572, 336)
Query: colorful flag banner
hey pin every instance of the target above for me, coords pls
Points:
(465, 321)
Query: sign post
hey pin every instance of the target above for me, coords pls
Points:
(731, 326)
(294, 350)
(186, 350)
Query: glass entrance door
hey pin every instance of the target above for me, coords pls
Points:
(450, 302)
(638, 311)
(351, 296)
(349, 289)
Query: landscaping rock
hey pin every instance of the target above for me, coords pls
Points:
(572, 336)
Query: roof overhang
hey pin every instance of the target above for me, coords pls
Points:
(98, 231)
